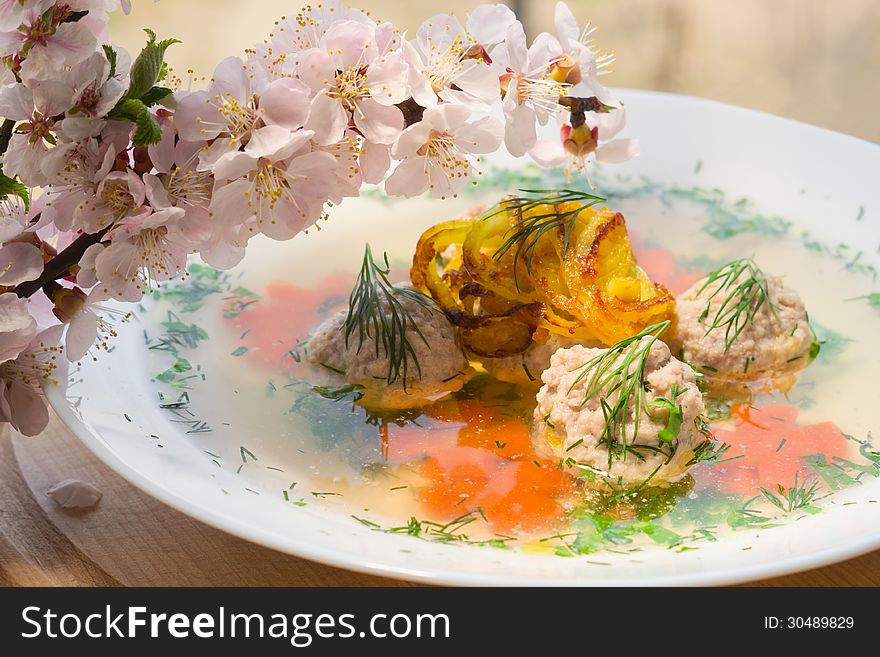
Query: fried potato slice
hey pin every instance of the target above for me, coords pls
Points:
(549, 263)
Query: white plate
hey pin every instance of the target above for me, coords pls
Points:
(822, 181)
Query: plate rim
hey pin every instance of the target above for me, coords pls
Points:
(57, 399)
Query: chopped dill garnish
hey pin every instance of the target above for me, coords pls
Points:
(366, 523)
(436, 532)
(873, 299)
(712, 452)
(745, 291)
(798, 496)
(675, 414)
(525, 234)
(621, 370)
(245, 452)
(388, 324)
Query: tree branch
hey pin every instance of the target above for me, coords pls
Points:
(6, 134)
(60, 265)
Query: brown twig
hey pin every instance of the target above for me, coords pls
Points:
(6, 134)
(60, 265)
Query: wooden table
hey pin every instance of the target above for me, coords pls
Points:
(130, 539)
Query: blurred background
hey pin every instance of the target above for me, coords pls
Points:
(816, 61)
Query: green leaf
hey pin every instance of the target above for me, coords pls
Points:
(147, 68)
(112, 57)
(127, 110)
(13, 186)
(148, 129)
(241, 351)
(155, 96)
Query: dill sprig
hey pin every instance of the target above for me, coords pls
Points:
(798, 496)
(388, 324)
(621, 370)
(712, 452)
(745, 291)
(525, 234)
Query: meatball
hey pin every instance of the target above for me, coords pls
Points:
(442, 367)
(570, 426)
(774, 343)
(526, 368)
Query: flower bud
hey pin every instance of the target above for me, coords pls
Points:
(67, 302)
(579, 141)
(565, 69)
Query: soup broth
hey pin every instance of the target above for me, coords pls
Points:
(464, 469)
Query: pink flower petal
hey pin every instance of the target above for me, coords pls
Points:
(28, 408)
(482, 136)
(75, 494)
(234, 165)
(548, 154)
(488, 23)
(350, 43)
(408, 179)
(379, 123)
(19, 262)
(157, 195)
(374, 161)
(566, 26)
(81, 333)
(386, 80)
(517, 49)
(17, 327)
(16, 102)
(412, 139)
(327, 119)
(231, 78)
(420, 86)
(520, 133)
(162, 154)
(196, 118)
(617, 151)
(477, 86)
(286, 103)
